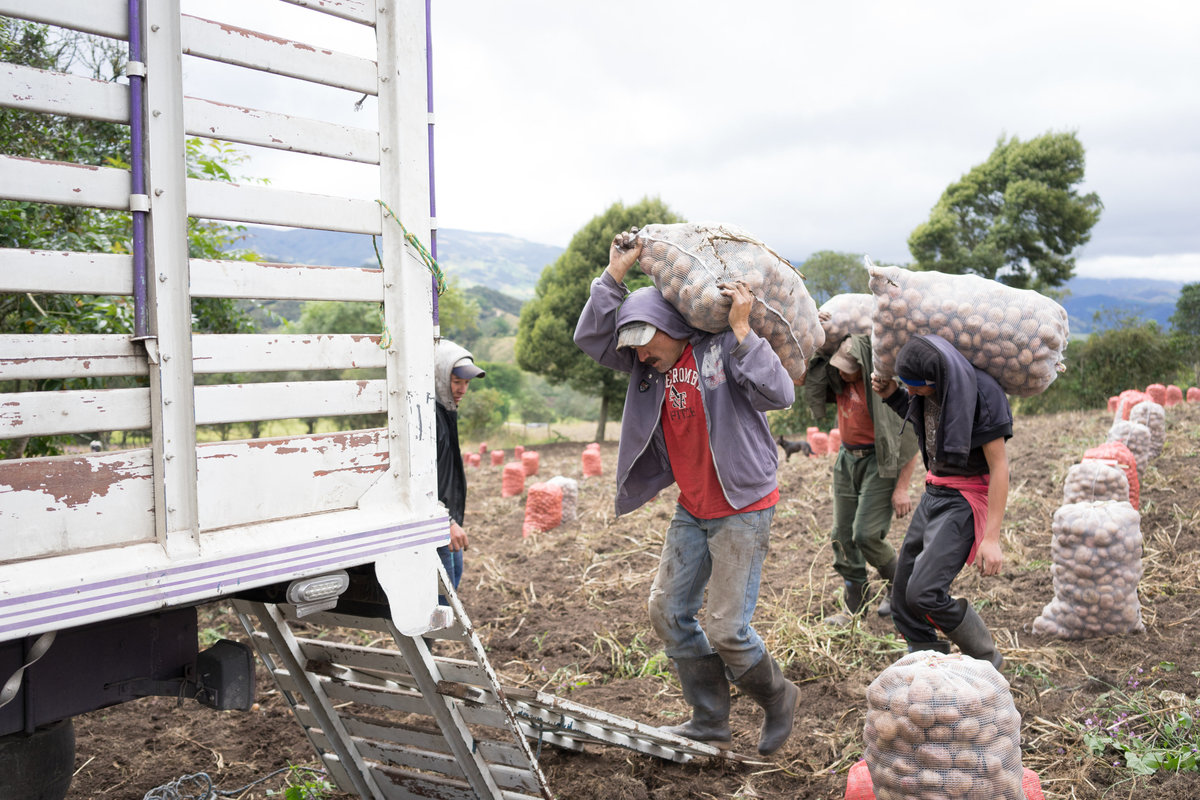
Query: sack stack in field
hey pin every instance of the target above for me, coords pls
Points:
(1154, 417)
(942, 726)
(474, 460)
(1126, 400)
(512, 479)
(1136, 437)
(1015, 335)
(1157, 392)
(543, 508)
(848, 314)
(1174, 396)
(497, 458)
(591, 462)
(1119, 453)
(1193, 394)
(687, 261)
(1094, 479)
(835, 441)
(1097, 555)
(530, 461)
(570, 496)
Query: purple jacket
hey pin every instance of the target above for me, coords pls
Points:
(739, 383)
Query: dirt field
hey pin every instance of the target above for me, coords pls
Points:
(565, 612)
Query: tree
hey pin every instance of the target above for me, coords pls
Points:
(827, 273)
(1016, 218)
(481, 412)
(545, 344)
(1185, 327)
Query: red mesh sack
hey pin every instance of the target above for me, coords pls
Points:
(497, 458)
(543, 508)
(482, 448)
(518, 450)
(529, 460)
(1174, 396)
(512, 481)
(835, 441)
(1119, 452)
(1126, 400)
(474, 460)
(591, 463)
(858, 783)
(1112, 403)
(1157, 392)
(819, 442)
(1193, 394)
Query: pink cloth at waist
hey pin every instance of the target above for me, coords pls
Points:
(975, 489)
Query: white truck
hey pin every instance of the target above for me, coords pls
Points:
(105, 555)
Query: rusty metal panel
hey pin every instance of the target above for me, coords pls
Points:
(61, 272)
(279, 131)
(243, 402)
(101, 17)
(273, 352)
(39, 356)
(30, 89)
(271, 281)
(255, 50)
(54, 413)
(235, 203)
(354, 10)
(262, 479)
(37, 181)
(66, 503)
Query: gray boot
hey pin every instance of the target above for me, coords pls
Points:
(706, 689)
(888, 573)
(974, 639)
(764, 684)
(938, 645)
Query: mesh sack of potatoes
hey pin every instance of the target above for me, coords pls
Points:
(1154, 417)
(570, 496)
(1094, 479)
(687, 261)
(942, 726)
(1136, 437)
(543, 508)
(1097, 564)
(1015, 335)
(1126, 400)
(848, 314)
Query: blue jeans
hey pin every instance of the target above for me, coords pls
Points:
(726, 556)
(452, 562)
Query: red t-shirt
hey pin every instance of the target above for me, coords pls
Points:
(854, 418)
(686, 432)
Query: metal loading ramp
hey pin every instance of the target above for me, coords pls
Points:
(389, 720)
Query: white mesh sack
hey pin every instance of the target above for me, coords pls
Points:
(942, 726)
(687, 261)
(1094, 479)
(570, 496)
(1015, 335)
(1097, 554)
(1136, 437)
(1154, 417)
(848, 314)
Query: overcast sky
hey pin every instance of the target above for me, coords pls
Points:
(815, 126)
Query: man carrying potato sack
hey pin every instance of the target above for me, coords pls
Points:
(695, 415)
(871, 473)
(962, 420)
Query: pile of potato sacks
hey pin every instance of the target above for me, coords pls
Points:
(942, 726)
(689, 261)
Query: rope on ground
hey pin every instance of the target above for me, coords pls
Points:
(199, 786)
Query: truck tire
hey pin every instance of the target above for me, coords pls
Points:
(38, 766)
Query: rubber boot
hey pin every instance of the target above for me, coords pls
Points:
(706, 689)
(974, 639)
(854, 595)
(764, 684)
(937, 645)
(888, 573)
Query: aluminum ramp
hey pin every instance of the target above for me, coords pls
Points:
(390, 720)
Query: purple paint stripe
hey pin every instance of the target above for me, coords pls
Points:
(156, 597)
(171, 571)
(137, 589)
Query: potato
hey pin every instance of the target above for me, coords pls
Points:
(1015, 335)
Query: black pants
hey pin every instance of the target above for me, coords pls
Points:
(934, 551)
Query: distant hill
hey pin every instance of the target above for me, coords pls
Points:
(496, 261)
(1148, 299)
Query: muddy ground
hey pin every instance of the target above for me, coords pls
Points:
(565, 612)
